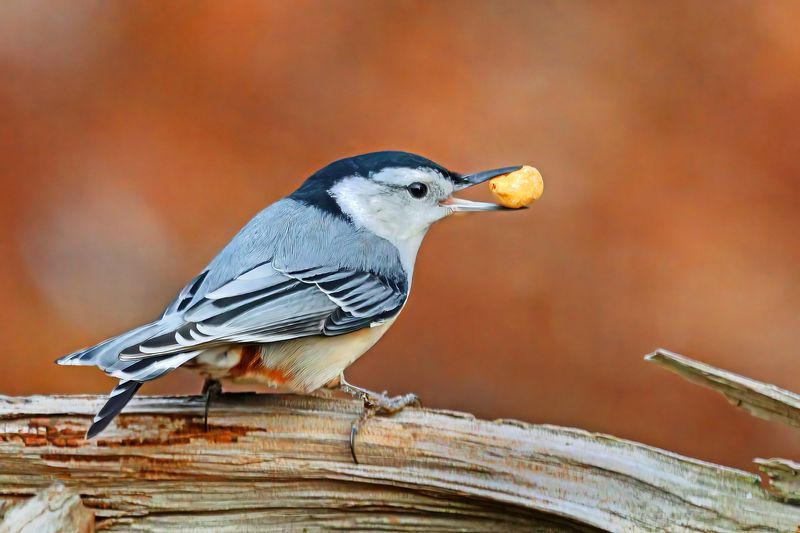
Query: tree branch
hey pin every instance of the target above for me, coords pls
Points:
(759, 399)
(783, 476)
(284, 462)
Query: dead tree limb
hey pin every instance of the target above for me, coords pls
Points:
(283, 462)
(759, 399)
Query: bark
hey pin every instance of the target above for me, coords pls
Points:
(278, 462)
(54, 510)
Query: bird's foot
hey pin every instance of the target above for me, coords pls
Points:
(374, 404)
(212, 388)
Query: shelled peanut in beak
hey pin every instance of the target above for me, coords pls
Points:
(519, 188)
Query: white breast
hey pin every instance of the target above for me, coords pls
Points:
(299, 365)
(311, 362)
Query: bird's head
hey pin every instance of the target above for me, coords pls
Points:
(396, 195)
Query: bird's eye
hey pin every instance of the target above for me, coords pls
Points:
(417, 190)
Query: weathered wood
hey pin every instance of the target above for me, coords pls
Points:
(783, 477)
(759, 399)
(54, 510)
(283, 462)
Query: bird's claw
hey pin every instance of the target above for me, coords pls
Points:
(368, 412)
(394, 404)
(211, 389)
(379, 404)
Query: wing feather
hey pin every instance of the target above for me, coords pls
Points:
(281, 306)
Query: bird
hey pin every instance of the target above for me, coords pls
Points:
(304, 289)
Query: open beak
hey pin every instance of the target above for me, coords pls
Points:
(468, 180)
(460, 205)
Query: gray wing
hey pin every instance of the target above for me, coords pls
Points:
(293, 271)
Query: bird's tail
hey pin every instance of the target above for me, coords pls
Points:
(105, 355)
(118, 399)
(131, 373)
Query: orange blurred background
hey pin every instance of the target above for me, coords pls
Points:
(137, 137)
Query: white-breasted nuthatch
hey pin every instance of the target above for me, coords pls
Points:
(304, 289)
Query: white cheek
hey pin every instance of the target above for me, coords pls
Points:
(395, 218)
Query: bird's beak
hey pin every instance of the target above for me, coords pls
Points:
(460, 205)
(468, 180)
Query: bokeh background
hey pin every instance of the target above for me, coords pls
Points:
(137, 137)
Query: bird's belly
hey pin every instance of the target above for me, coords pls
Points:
(299, 365)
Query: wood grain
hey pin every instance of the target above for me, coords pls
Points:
(763, 400)
(271, 462)
(56, 509)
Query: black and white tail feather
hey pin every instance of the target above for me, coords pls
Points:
(118, 399)
(132, 374)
